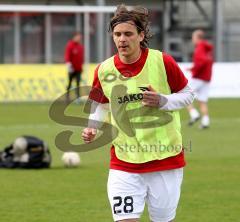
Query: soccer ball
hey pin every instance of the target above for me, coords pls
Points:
(20, 146)
(71, 159)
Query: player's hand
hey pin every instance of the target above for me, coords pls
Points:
(151, 98)
(89, 134)
(69, 67)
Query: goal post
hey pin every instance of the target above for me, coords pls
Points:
(47, 10)
(57, 8)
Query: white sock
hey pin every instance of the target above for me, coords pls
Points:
(194, 114)
(205, 121)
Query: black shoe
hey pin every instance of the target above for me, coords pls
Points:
(192, 121)
(203, 126)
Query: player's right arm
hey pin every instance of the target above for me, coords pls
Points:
(99, 109)
(89, 134)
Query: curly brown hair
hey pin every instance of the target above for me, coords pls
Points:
(139, 15)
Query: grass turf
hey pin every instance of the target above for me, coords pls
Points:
(210, 190)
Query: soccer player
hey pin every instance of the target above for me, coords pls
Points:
(201, 77)
(74, 58)
(144, 89)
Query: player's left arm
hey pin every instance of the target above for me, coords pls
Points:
(173, 101)
(182, 95)
(67, 57)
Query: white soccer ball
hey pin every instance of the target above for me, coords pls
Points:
(71, 159)
(20, 146)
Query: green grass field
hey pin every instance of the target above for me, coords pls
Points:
(210, 191)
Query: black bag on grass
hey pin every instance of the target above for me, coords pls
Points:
(26, 152)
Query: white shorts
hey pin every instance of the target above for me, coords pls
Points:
(128, 192)
(201, 88)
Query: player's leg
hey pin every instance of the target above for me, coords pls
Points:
(78, 79)
(70, 78)
(194, 115)
(195, 84)
(205, 120)
(203, 105)
(164, 189)
(126, 193)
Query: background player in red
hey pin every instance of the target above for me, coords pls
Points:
(74, 58)
(154, 180)
(201, 77)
